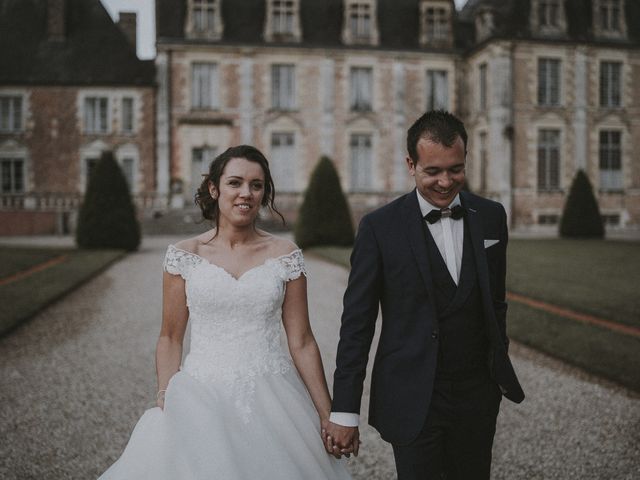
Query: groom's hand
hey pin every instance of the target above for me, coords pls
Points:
(340, 440)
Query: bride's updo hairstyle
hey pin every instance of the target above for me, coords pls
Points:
(209, 206)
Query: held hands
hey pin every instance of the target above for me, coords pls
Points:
(339, 440)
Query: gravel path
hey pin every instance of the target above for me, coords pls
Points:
(74, 380)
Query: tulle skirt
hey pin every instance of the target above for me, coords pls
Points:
(206, 431)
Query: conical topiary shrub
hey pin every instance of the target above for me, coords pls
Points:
(581, 216)
(107, 217)
(324, 217)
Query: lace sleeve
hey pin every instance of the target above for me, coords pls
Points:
(179, 262)
(293, 264)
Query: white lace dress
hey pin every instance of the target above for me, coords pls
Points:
(237, 409)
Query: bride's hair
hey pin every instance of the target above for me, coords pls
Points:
(209, 206)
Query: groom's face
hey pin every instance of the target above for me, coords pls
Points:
(439, 171)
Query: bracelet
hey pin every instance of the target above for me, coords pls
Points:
(159, 393)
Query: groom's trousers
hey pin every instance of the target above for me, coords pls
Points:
(455, 442)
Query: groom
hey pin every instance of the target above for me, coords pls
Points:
(434, 261)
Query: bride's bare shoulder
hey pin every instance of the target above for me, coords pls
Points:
(281, 246)
(193, 244)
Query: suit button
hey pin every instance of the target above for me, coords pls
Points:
(434, 334)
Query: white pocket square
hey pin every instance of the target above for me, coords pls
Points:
(490, 243)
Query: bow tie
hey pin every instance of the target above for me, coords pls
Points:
(456, 213)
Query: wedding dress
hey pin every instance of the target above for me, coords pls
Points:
(237, 409)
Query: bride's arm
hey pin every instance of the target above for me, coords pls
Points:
(303, 347)
(174, 323)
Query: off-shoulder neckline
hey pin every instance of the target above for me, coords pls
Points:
(237, 279)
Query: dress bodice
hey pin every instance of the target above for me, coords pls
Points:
(235, 322)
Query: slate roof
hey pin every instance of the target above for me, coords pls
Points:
(398, 22)
(321, 23)
(94, 52)
(513, 20)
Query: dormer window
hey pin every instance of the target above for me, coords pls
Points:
(548, 17)
(609, 20)
(435, 23)
(484, 21)
(204, 20)
(283, 21)
(360, 25)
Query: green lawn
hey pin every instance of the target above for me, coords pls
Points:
(25, 297)
(601, 278)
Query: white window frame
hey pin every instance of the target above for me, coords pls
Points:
(205, 86)
(202, 156)
(610, 91)
(283, 86)
(436, 80)
(11, 161)
(204, 19)
(435, 22)
(11, 113)
(549, 159)
(282, 22)
(361, 89)
(361, 162)
(549, 82)
(283, 160)
(127, 114)
(610, 15)
(610, 165)
(96, 114)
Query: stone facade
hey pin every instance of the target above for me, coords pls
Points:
(508, 127)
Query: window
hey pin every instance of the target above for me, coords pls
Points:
(610, 154)
(609, 11)
(436, 24)
(12, 172)
(437, 90)
(127, 164)
(127, 115)
(204, 86)
(10, 113)
(361, 162)
(283, 87)
(548, 160)
(282, 14)
(548, 82)
(201, 158)
(548, 219)
(96, 115)
(360, 21)
(610, 84)
(482, 73)
(361, 89)
(483, 156)
(611, 220)
(283, 161)
(548, 11)
(204, 16)
(90, 164)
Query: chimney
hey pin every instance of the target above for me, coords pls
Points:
(127, 23)
(56, 27)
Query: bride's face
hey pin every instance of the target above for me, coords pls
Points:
(240, 193)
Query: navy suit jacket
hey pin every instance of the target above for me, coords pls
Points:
(390, 270)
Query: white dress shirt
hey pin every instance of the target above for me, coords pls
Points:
(448, 235)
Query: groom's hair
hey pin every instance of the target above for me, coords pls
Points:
(439, 126)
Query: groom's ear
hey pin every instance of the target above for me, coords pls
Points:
(411, 166)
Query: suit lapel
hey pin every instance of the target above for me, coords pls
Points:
(414, 223)
(477, 240)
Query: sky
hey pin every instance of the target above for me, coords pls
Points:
(146, 21)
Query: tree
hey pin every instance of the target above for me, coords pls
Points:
(581, 216)
(324, 217)
(107, 217)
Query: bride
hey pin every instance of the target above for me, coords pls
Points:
(238, 407)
